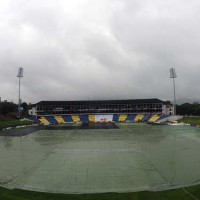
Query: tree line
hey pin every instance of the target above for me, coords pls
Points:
(10, 109)
(189, 109)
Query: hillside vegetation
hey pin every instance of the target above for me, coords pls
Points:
(191, 120)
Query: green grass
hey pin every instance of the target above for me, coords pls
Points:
(12, 123)
(191, 120)
(177, 194)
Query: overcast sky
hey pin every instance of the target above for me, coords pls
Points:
(99, 49)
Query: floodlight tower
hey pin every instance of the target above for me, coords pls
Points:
(173, 75)
(19, 75)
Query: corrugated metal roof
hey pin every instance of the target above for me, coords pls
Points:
(86, 102)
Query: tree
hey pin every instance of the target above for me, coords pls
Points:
(189, 109)
(7, 107)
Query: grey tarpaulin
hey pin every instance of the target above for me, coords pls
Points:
(135, 157)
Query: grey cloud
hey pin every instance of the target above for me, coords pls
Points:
(99, 49)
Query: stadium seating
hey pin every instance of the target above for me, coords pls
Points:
(115, 117)
(130, 118)
(138, 118)
(154, 118)
(51, 119)
(44, 121)
(84, 118)
(34, 119)
(91, 118)
(67, 118)
(59, 119)
(122, 118)
(163, 117)
(146, 118)
(75, 118)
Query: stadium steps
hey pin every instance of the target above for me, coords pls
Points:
(122, 118)
(67, 118)
(154, 118)
(91, 118)
(44, 121)
(84, 118)
(130, 118)
(138, 118)
(75, 118)
(59, 119)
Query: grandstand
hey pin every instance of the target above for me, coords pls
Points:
(135, 110)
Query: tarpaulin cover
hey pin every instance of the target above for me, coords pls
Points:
(135, 157)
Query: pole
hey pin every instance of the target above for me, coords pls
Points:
(20, 75)
(173, 75)
(19, 100)
(174, 97)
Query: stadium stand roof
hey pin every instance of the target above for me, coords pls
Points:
(86, 102)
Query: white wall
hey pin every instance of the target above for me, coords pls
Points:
(168, 109)
(32, 112)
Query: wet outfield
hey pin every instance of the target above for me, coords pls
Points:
(134, 157)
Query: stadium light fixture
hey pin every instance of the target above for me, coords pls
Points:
(19, 75)
(173, 76)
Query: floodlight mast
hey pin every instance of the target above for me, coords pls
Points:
(173, 76)
(19, 75)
